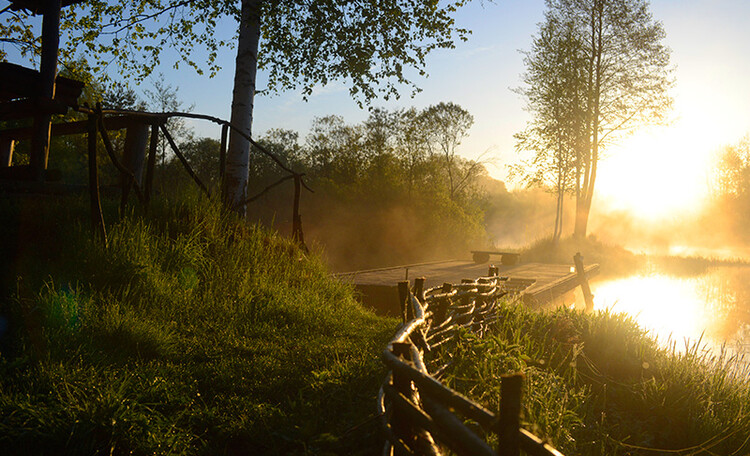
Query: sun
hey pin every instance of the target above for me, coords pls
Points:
(656, 174)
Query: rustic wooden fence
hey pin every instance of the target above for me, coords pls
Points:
(419, 414)
(139, 151)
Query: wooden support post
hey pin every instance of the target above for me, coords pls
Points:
(133, 157)
(97, 219)
(151, 164)
(584, 281)
(494, 271)
(6, 152)
(46, 88)
(509, 437)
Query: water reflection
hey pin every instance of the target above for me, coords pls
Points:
(714, 305)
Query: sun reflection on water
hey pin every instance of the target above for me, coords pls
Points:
(664, 305)
(712, 307)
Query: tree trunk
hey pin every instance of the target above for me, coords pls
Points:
(234, 191)
(583, 201)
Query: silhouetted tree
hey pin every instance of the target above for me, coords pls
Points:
(622, 67)
(447, 125)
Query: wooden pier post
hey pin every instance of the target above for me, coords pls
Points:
(587, 296)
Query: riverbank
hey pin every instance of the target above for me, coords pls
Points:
(597, 384)
(618, 261)
(190, 333)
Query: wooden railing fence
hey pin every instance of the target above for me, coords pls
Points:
(137, 154)
(419, 414)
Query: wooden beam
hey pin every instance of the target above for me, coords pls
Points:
(46, 87)
(584, 281)
(65, 128)
(6, 152)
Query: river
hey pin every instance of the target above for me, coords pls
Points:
(711, 306)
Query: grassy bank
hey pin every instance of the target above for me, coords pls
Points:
(190, 333)
(617, 261)
(597, 384)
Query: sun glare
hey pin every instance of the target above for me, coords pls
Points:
(656, 174)
(663, 172)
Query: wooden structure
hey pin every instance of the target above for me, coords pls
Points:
(537, 283)
(419, 414)
(39, 94)
(506, 258)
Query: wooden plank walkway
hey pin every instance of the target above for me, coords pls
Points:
(378, 287)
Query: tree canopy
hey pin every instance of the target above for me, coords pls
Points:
(376, 47)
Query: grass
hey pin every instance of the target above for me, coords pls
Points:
(189, 333)
(598, 384)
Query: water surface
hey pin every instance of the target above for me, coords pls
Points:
(712, 306)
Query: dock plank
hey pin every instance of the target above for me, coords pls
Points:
(378, 286)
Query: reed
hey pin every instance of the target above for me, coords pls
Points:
(599, 384)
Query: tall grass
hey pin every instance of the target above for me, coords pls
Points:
(189, 333)
(598, 384)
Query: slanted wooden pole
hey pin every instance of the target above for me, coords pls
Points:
(183, 160)
(46, 88)
(97, 219)
(584, 281)
(509, 437)
(6, 152)
(151, 164)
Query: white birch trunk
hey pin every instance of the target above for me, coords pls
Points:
(234, 192)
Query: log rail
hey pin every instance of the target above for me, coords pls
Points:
(419, 414)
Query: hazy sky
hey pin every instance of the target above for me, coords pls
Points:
(655, 172)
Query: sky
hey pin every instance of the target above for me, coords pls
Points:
(656, 173)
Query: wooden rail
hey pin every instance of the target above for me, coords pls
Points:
(135, 156)
(419, 414)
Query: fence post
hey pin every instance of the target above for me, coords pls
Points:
(587, 296)
(510, 415)
(419, 288)
(402, 428)
(494, 271)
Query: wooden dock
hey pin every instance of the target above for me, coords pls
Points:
(538, 283)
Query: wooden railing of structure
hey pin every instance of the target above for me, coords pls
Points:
(139, 152)
(419, 414)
